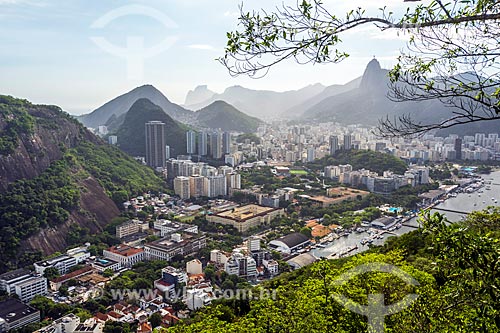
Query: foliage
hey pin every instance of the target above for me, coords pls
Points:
(362, 159)
(49, 199)
(116, 172)
(451, 54)
(248, 136)
(454, 265)
(29, 205)
(17, 122)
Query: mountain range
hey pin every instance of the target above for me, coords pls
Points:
(368, 103)
(216, 115)
(361, 101)
(263, 104)
(116, 108)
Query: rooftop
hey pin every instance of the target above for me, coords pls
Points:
(125, 250)
(72, 275)
(243, 213)
(12, 275)
(294, 239)
(12, 310)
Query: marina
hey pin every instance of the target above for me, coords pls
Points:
(455, 206)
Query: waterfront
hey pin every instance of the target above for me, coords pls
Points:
(465, 202)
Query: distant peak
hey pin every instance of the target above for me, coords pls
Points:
(201, 87)
(374, 64)
(373, 75)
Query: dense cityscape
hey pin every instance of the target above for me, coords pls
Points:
(367, 202)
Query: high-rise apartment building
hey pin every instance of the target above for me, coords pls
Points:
(191, 142)
(181, 187)
(155, 144)
(202, 143)
(347, 142)
(215, 144)
(226, 143)
(334, 144)
(458, 148)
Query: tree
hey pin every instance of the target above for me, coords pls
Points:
(155, 319)
(446, 40)
(108, 272)
(51, 273)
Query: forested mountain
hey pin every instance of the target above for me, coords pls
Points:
(222, 115)
(132, 132)
(58, 182)
(115, 108)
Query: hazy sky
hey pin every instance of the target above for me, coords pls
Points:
(49, 53)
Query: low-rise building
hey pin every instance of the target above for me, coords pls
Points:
(219, 257)
(56, 283)
(66, 324)
(9, 279)
(194, 267)
(166, 227)
(127, 256)
(175, 244)
(384, 222)
(272, 266)
(23, 283)
(62, 263)
(29, 288)
(241, 265)
(14, 314)
(290, 243)
(198, 298)
(128, 228)
(246, 217)
(102, 264)
(301, 260)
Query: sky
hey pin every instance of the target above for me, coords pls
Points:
(79, 54)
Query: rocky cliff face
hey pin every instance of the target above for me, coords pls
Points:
(27, 153)
(52, 134)
(97, 209)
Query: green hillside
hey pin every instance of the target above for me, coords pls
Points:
(132, 132)
(79, 186)
(222, 115)
(362, 159)
(449, 270)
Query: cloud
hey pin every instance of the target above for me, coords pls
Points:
(23, 2)
(231, 14)
(205, 47)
